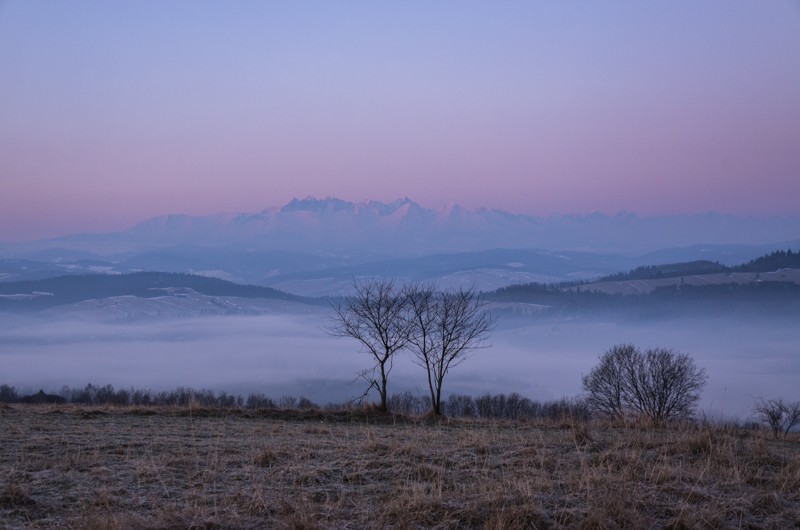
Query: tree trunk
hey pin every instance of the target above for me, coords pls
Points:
(437, 407)
(434, 403)
(384, 406)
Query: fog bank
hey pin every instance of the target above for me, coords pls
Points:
(293, 355)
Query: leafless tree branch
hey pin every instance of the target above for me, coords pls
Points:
(446, 328)
(659, 384)
(375, 316)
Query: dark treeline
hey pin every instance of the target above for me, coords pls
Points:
(107, 395)
(672, 270)
(754, 298)
(494, 406)
(498, 406)
(179, 397)
(781, 259)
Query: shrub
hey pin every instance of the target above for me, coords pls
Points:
(658, 384)
(8, 394)
(780, 416)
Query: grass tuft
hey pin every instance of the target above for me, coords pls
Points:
(15, 495)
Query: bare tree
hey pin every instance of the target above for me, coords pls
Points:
(375, 317)
(666, 385)
(779, 415)
(423, 340)
(659, 384)
(445, 328)
(606, 383)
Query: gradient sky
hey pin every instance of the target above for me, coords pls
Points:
(113, 112)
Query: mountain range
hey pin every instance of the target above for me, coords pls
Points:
(315, 247)
(404, 227)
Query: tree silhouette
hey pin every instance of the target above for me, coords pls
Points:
(445, 328)
(658, 384)
(376, 317)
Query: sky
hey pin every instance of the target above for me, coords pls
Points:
(114, 112)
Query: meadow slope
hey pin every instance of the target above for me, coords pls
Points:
(78, 467)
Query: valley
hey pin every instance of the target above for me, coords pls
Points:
(181, 314)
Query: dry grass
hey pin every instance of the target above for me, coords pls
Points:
(71, 467)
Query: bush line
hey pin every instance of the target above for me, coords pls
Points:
(487, 406)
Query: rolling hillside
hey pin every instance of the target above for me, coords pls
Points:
(774, 261)
(36, 295)
(768, 285)
(681, 288)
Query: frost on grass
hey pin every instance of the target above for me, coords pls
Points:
(67, 466)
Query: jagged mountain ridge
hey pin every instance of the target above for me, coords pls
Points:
(403, 227)
(334, 225)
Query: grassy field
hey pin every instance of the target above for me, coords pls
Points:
(78, 467)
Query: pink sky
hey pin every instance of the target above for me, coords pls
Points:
(111, 113)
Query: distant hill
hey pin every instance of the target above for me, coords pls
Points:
(768, 285)
(681, 286)
(774, 261)
(670, 270)
(782, 259)
(50, 292)
(776, 300)
(322, 274)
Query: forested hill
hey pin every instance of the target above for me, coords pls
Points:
(40, 294)
(771, 262)
(782, 259)
(671, 270)
(769, 285)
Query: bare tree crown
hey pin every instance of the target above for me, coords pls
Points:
(446, 328)
(440, 329)
(659, 384)
(781, 416)
(375, 315)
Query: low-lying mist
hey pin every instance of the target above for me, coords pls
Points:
(293, 355)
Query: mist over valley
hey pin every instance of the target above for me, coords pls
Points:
(399, 264)
(162, 330)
